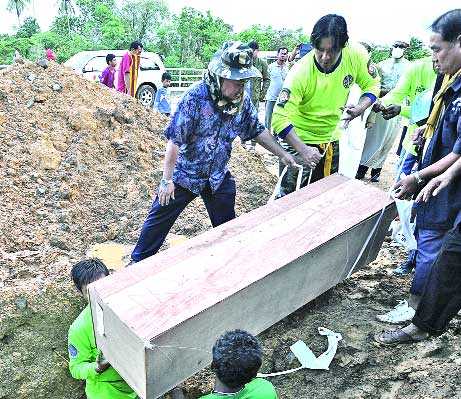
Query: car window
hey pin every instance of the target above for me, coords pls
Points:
(96, 64)
(148, 64)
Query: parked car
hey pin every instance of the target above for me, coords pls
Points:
(90, 64)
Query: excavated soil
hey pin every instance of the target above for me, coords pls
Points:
(78, 167)
(79, 164)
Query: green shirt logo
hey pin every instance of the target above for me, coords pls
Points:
(347, 81)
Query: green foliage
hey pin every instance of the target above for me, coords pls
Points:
(188, 39)
(379, 54)
(416, 50)
(29, 28)
(142, 18)
(192, 37)
(270, 39)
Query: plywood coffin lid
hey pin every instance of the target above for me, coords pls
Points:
(155, 295)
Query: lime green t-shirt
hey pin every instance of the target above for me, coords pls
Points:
(82, 362)
(311, 100)
(258, 388)
(419, 78)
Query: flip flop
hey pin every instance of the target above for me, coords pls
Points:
(395, 337)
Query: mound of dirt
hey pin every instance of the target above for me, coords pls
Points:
(78, 166)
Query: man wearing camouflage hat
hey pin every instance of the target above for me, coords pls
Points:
(207, 119)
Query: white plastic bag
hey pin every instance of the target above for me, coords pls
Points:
(403, 230)
(352, 139)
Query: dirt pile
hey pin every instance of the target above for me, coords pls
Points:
(78, 166)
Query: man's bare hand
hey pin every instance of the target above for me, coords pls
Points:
(288, 159)
(391, 111)
(101, 364)
(418, 135)
(433, 188)
(165, 192)
(405, 187)
(311, 156)
(350, 112)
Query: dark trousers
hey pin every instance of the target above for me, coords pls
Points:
(220, 206)
(441, 299)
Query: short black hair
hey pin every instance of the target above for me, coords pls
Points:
(166, 76)
(88, 270)
(109, 58)
(135, 45)
(448, 25)
(331, 25)
(281, 48)
(237, 357)
(253, 45)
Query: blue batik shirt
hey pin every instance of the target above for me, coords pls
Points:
(442, 211)
(204, 136)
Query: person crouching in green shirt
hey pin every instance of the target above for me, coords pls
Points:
(314, 97)
(237, 357)
(86, 361)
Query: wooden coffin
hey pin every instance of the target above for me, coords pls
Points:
(157, 320)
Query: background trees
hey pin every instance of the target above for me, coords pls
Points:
(188, 39)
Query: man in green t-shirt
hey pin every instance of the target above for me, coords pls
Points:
(237, 357)
(86, 361)
(314, 96)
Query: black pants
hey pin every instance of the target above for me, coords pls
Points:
(220, 206)
(441, 299)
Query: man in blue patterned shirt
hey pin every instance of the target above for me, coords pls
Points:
(208, 118)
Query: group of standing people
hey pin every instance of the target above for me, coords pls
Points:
(306, 115)
(128, 77)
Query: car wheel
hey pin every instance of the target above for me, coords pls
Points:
(146, 95)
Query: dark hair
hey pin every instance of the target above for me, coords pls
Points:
(237, 357)
(87, 271)
(281, 48)
(253, 45)
(333, 26)
(135, 45)
(109, 58)
(448, 25)
(166, 76)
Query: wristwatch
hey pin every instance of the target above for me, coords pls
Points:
(418, 178)
(165, 182)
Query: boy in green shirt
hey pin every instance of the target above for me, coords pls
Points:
(86, 361)
(237, 357)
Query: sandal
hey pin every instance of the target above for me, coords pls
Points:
(396, 337)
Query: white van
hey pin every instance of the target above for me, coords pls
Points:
(90, 64)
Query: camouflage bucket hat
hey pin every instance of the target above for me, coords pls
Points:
(234, 61)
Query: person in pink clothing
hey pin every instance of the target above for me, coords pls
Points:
(128, 70)
(50, 55)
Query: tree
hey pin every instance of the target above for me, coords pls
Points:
(191, 38)
(29, 28)
(270, 39)
(66, 7)
(18, 6)
(416, 49)
(143, 17)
